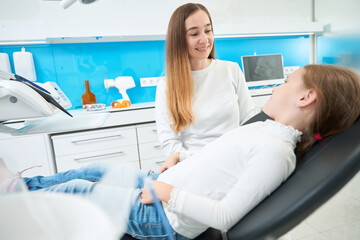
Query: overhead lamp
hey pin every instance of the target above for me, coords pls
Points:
(67, 3)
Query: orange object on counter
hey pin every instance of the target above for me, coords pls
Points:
(122, 104)
(88, 97)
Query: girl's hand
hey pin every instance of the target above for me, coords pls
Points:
(172, 160)
(162, 191)
(146, 197)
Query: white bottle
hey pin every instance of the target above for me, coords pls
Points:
(24, 64)
(4, 62)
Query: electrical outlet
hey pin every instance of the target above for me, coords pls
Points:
(290, 70)
(149, 81)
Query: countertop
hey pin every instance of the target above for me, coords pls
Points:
(85, 120)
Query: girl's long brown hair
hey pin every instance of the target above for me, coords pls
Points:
(337, 103)
(179, 82)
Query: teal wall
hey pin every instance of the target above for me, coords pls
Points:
(70, 64)
(341, 50)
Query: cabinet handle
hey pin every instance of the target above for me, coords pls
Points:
(154, 130)
(83, 159)
(95, 139)
(159, 162)
(157, 146)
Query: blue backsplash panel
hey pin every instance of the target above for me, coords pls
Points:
(340, 49)
(69, 65)
(295, 49)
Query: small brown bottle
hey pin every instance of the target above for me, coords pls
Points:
(88, 97)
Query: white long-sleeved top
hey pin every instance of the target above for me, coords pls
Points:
(221, 101)
(223, 181)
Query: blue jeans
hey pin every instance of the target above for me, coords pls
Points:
(144, 221)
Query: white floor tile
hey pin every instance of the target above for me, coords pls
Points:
(352, 189)
(301, 231)
(337, 219)
(318, 236)
(346, 232)
(338, 211)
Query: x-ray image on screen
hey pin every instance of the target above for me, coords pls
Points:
(263, 67)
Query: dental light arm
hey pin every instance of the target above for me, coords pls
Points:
(67, 3)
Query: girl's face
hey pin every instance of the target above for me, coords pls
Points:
(287, 95)
(199, 35)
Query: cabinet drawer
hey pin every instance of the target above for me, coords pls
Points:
(152, 164)
(147, 133)
(150, 150)
(120, 155)
(93, 140)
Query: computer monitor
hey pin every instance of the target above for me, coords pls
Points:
(263, 70)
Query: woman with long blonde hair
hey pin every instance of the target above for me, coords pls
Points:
(201, 97)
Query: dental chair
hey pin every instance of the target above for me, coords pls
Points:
(319, 175)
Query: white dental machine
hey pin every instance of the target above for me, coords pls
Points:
(22, 99)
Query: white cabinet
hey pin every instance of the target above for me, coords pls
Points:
(150, 151)
(136, 145)
(129, 20)
(115, 145)
(113, 20)
(109, 19)
(339, 18)
(21, 21)
(21, 152)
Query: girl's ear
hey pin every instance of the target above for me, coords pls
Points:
(308, 98)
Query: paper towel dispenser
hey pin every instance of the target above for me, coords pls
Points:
(24, 64)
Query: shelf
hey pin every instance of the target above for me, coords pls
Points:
(221, 31)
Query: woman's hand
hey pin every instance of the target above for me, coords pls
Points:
(170, 161)
(162, 191)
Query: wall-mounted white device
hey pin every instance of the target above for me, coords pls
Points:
(123, 84)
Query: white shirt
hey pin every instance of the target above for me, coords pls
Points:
(222, 182)
(221, 101)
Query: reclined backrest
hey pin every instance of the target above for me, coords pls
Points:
(319, 174)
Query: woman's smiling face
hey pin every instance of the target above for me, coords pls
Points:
(199, 35)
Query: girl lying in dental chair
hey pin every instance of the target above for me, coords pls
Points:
(231, 175)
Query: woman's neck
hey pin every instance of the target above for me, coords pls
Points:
(197, 64)
(300, 120)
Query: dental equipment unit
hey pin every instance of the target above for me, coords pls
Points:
(22, 99)
(121, 83)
